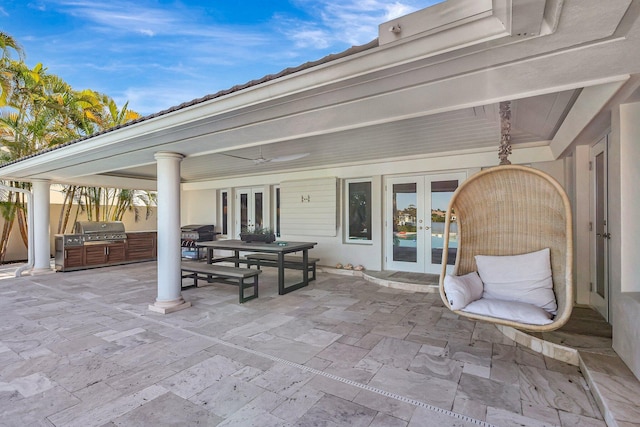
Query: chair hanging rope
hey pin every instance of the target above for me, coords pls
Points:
(505, 132)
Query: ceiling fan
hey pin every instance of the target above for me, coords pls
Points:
(261, 159)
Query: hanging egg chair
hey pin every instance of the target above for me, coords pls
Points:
(504, 213)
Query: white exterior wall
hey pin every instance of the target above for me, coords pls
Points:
(624, 211)
(200, 199)
(199, 208)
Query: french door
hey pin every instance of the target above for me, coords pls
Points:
(414, 225)
(599, 295)
(249, 209)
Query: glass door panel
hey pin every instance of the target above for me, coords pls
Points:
(441, 192)
(250, 209)
(416, 208)
(599, 296)
(405, 239)
(244, 211)
(258, 210)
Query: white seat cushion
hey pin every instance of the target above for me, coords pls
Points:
(520, 312)
(461, 290)
(523, 278)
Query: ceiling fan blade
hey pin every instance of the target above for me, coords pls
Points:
(289, 157)
(237, 157)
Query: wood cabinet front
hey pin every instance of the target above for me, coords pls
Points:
(105, 253)
(116, 252)
(95, 254)
(73, 257)
(141, 246)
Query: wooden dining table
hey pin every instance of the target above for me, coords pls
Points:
(279, 248)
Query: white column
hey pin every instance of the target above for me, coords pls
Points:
(169, 276)
(629, 201)
(41, 214)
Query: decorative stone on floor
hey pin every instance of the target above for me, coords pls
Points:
(81, 349)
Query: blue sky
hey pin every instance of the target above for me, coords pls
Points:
(157, 54)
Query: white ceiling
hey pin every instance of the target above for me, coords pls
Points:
(534, 120)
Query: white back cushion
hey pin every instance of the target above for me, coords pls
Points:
(461, 290)
(525, 278)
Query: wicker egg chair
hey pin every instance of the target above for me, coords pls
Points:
(512, 210)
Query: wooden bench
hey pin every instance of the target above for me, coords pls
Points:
(224, 274)
(290, 261)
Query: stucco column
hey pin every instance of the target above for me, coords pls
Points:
(169, 252)
(41, 214)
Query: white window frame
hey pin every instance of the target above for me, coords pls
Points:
(346, 233)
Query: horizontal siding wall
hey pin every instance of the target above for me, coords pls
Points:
(333, 249)
(309, 207)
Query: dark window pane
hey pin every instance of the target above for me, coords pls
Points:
(277, 212)
(258, 211)
(225, 218)
(244, 212)
(359, 211)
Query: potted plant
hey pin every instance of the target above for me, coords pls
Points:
(263, 234)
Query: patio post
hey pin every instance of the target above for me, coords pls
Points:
(169, 252)
(41, 214)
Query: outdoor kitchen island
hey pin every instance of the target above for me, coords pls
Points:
(101, 244)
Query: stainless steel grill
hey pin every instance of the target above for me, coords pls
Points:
(191, 234)
(100, 231)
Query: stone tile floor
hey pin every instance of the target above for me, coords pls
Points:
(82, 349)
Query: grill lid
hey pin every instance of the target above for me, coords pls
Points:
(99, 227)
(198, 228)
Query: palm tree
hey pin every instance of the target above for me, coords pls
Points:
(100, 112)
(7, 43)
(39, 110)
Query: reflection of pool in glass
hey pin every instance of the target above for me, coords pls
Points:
(406, 242)
(405, 239)
(409, 238)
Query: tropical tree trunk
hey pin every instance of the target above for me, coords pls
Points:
(21, 209)
(4, 242)
(67, 205)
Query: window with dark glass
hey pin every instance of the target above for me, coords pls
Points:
(359, 205)
(278, 212)
(225, 217)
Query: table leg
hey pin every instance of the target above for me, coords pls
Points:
(281, 273)
(305, 267)
(209, 255)
(237, 256)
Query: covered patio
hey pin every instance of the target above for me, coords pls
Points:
(82, 349)
(419, 102)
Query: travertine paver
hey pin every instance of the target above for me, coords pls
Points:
(82, 349)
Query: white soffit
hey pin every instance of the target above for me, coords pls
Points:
(457, 23)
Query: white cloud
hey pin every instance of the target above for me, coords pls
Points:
(165, 55)
(346, 21)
